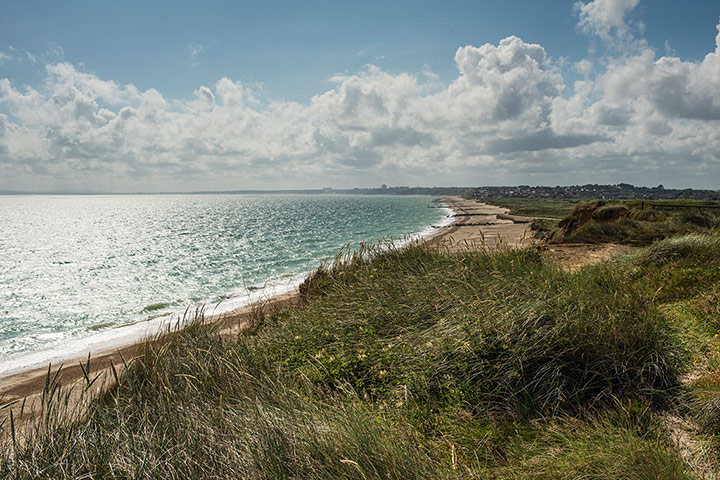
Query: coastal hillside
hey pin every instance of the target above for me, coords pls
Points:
(360, 240)
(422, 362)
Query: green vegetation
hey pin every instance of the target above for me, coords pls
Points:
(626, 442)
(534, 207)
(638, 222)
(420, 363)
(635, 221)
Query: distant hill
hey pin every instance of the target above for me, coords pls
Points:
(50, 192)
(620, 191)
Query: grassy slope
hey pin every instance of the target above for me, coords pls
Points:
(422, 364)
(535, 207)
(642, 223)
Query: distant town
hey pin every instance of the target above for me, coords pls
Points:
(620, 191)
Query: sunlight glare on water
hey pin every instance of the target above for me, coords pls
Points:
(72, 266)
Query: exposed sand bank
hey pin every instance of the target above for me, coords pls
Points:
(478, 224)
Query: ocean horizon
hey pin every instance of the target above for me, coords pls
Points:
(83, 274)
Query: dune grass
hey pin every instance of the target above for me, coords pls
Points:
(415, 363)
(637, 222)
(626, 441)
(506, 330)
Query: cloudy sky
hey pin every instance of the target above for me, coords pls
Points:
(183, 96)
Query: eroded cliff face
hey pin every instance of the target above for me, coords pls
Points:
(597, 211)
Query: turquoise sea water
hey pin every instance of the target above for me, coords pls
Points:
(83, 273)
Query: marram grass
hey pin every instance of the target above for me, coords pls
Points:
(399, 364)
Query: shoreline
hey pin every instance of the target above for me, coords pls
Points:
(478, 224)
(459, 230)
(119, 337)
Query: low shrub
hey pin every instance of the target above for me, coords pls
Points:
(609, 213)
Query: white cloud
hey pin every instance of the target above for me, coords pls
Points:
(605, 17)
(669, 86)
(64, 75)
(584, 67)
(54, 53)
(205, 99)
(12, 55)
(669, 50)
(508, 117)
(196, 49)
(427, 71)
(511, 80)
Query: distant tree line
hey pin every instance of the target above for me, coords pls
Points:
(620, 191)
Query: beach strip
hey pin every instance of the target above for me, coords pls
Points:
(471, 224)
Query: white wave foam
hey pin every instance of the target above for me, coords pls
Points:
(74, 349)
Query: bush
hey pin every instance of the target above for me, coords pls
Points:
(600, 222)
(698, 218)
(695, 248)
(500, 330)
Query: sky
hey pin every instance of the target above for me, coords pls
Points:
(186, 96)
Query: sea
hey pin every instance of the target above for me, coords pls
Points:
(82, 274)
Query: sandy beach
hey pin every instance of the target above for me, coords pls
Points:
(474, 224)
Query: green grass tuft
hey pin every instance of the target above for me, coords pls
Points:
(633, 222)
(414, 363)
(627, 442)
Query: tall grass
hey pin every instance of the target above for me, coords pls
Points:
(194, 408)
(505, 330)
(630, 222)
(680, 267)
(626, 442)
(685, 273)
(412, 363)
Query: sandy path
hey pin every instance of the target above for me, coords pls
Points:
(575, 255)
